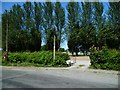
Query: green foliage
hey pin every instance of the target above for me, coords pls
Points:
(73, 9)
(105, 59)
(87, 12)
(24, 31)
(114, 25)
(87, 36)
(48, 8)
(59, 23)
(43, 58)
(97, 14)
(43, 48)
(88, 24)
(62, 50)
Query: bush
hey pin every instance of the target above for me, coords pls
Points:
(105, 59)
(43, 58)
(62, 50)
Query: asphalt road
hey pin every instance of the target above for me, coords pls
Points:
(40, 78)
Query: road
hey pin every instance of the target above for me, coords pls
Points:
(41, 78)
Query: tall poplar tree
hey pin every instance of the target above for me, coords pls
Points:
(48, 8)
(24, 25)
(99, 22)
(59, 23)
(37, 29)
(28, 15)
(4, 21)
(28, 24)
(87, 30)
(15, 22)
(114, 25)
(73, 24)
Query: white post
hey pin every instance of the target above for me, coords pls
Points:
(54, 49)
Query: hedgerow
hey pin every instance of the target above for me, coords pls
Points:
(43, 58)
(108, 59)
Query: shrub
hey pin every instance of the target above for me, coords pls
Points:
(38, 58)
(105, 59)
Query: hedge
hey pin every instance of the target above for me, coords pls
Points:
(108, 59)
(43, 58)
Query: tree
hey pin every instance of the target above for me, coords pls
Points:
(86, 35)
(14, 28)
(36, 31)
(0, 32)
(73, 41)
(59, 22)
(86, 13)
(48, 24)
(4, 19)
(15, 40)
(114, 25)
(29, 24)
(62, 50)
(73, 24)
(99, 23)
(28, 15)
(24, 28)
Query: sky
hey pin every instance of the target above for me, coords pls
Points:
(8, 6)
(59, 0)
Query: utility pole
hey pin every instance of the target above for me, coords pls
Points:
(7, 36)
(54, 45)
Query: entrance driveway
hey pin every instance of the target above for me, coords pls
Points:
(83, 61)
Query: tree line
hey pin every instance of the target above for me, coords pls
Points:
(92, 27)
(85, 25)
(30, 23)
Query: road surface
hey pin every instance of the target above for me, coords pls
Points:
(41, 78)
